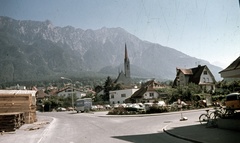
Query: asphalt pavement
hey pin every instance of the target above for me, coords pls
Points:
(190, 130)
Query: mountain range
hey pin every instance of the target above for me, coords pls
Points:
(38, 50)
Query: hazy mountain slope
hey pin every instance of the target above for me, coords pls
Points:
(32, 50)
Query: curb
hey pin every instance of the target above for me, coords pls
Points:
(157, 114)
(47, 129)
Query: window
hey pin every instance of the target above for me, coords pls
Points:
(151, 94)
(205, 72)
(204, 80)
(112, 96)
(123, 95)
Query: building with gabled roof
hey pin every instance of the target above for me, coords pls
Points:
(69, 91)
(148, 93)
(119, 96)
(233, 70)
(200, 75)
(40, 97)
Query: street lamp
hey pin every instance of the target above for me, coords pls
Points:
(72, 88)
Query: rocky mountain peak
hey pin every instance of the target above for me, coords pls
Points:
(45, 50)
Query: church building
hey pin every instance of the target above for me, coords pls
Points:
(124, 77)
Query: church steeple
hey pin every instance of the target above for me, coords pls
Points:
(126, 63)
(126, 55)
(124, 76)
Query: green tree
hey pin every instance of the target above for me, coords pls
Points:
(47, 105)
(54, 101)
(118, 87)
(107, 87)
(89, 95)
(98, 100)
(185, 93)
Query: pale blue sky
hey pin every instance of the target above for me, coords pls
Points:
(205, 29)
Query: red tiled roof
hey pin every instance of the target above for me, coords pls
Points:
(194, 74)
(41, 94)
(187, 71)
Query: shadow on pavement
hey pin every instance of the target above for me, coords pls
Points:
(71, 112)
(202, 133)
(150, 138)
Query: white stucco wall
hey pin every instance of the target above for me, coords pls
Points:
(116, 97)
(69, 93)
(206, 78)
(207, 81)
(148, 93)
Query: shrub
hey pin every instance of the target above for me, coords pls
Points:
(157, 109)
(118, 111)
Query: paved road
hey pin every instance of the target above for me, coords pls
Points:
(90, 128)
(69, 127)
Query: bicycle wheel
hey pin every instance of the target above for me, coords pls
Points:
(212, 115)
(203, 119)
(215, 115)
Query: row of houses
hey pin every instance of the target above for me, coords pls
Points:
(148, 93)
(200, 75)
(64, 92)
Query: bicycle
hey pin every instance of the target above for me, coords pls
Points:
(218, 113)
(205, 118)
(221, 113)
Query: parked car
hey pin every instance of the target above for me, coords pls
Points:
(135, 107)
(116, 106)
(107, 107)
(148, 106)
(70, 109)
(161, 103)
(60, 109)
(94, 108)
